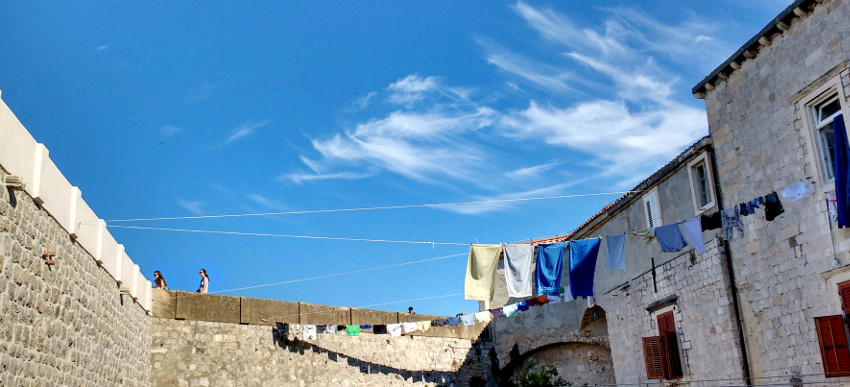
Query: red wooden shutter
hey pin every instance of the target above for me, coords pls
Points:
(653, 354)
(844, 293)
(674, 362)
(833, 345)
(665, 323)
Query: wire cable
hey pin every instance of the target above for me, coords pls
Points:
(397, 207)
(287, 235)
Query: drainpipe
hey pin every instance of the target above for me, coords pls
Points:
(745, 363)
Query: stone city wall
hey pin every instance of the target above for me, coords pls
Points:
(199, 353)
(760, 128)
(65, 324)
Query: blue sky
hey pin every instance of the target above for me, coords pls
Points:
(174, 109)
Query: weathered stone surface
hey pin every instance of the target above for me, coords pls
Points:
(368, 316)
(266, 312)
(208, 307)
(164, 304)
(67, 324)
(324, 314)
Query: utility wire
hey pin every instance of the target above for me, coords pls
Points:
(287, 235)
(495, 201)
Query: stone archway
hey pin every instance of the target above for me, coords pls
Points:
(577, 362)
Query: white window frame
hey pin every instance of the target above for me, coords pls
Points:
(650, 201)
(830, 90)
(709, 179)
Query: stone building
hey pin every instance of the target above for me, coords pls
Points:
(766, 305)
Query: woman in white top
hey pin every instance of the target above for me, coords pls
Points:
(205, 281)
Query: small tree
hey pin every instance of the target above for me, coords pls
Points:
(547, 376)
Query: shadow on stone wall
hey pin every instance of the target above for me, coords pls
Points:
(477, 369)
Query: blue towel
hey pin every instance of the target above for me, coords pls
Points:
(616, 251)
(468, 319)
(842, 171)
(550, 267)
(670, 238)
(365, 326)
(583, 254)
(453, 321)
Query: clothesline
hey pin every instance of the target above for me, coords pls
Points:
(494, 201)
(287, 235)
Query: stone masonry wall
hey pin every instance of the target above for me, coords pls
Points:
(762, 142)
(198, 353)
(703, 316)
(66, 324)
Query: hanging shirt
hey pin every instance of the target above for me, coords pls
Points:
(394, 329)
(711, 221)
(331, 329)
(352, 330)
(616, 245)
(510, 310)
(467, 319)
(484, 316)
(550, 267)
(309, 331)
(518, 269)
(438, 323)
(796, 191)
(773, 208)
(379, 329)
(647, 234)
(583, 254)
(296, 332)
(408, 326)
(481, 272)
(453, 321)
(423, 326)
(842, 171)
(693, 227)
(670, 238)
(497, 312)
(522, 305)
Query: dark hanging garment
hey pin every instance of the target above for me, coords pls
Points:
(772, 207)
(711, 221)
(379, 329)
(842, 171)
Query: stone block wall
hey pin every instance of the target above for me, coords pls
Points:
(759, 128)
(703, 313)
(198, 353)
(65, 324)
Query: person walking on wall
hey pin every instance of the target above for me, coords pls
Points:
(205, 282)
(159, 281)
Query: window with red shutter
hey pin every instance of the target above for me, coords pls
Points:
(844, 294)
(833, 345)
(653, 354)
(670, 348)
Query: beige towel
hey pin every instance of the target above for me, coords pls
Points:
(481, 272)
(423, 325)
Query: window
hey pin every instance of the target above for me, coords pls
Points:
(832, 337)
(652, 209)
(821, 106)
(701, 184)
(661, 352)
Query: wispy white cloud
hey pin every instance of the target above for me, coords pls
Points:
(530, 172)
(170, 130)
(245, 130)
(474, 209)
(103, 47)
(266, 202)
(193, 206)
(362, 102)
(299, 177)
(200, 92)
(410, 89)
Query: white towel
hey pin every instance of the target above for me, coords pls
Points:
(309, 331)
(408, 326)
(518, 274)
(394, 329)
(295, 332)
(484, 316)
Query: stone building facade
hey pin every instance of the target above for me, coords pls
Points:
(768, 107)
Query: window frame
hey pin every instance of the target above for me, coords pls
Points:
(653, 219)
(702, 160)
(810, 106)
